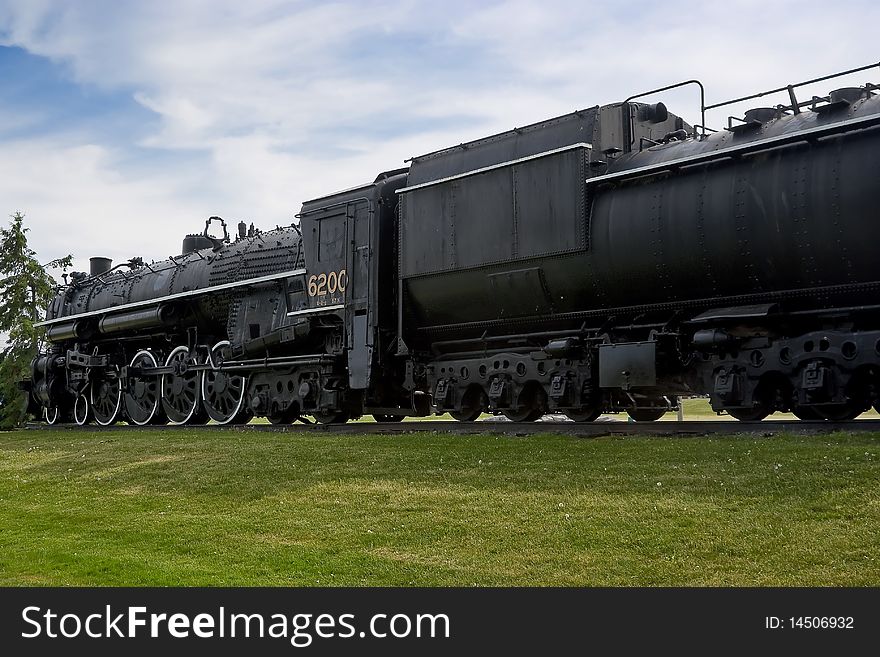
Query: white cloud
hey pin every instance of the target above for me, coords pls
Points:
(76, 201)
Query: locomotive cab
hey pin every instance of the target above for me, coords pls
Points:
(350, 243)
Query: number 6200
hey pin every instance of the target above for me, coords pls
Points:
(323, 284)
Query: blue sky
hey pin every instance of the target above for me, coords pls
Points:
(124, 124)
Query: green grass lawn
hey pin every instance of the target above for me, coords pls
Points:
(203, 507)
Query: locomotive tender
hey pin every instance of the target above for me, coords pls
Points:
(609, 260)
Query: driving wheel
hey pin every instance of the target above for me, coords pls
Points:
(181, 398)
(223, 391)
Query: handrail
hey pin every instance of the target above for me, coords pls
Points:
(791, 87)
(675, 86)
(794, 107)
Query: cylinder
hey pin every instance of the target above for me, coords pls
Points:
(136, 320)
(99, 265)
(81, 328)
(60, 332)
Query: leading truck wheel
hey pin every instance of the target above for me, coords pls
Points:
(223, 391)
(52, 414)
(82, 412)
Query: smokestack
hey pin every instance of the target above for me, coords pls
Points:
(99, 265)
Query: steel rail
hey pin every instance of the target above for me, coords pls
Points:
(687, 428)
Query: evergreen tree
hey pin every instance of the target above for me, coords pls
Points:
(26, 288)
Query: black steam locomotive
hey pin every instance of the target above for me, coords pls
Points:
(611, 260)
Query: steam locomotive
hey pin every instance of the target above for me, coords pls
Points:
(614, 259)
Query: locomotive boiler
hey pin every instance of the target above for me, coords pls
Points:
(610, 260)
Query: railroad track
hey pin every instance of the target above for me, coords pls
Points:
(586, 429)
